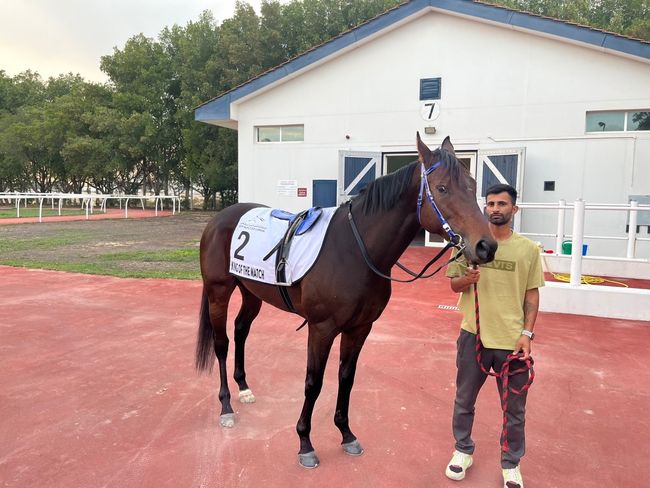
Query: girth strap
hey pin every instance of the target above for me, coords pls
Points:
(282, 249)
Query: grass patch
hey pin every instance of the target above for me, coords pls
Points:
(43, 242)
(172, 256)
(106, 269)
(175, 264)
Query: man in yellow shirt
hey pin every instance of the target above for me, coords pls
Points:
(509, 300)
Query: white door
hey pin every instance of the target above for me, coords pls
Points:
(501, 166)
(356, 171)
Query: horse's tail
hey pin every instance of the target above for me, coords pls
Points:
(204, 358)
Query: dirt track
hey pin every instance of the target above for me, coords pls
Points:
(83, 241)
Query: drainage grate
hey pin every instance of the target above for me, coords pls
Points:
(448, 307)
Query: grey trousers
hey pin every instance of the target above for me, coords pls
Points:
(469, 381)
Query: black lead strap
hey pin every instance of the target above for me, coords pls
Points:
(415, 276)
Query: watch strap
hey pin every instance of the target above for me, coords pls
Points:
(528, 333)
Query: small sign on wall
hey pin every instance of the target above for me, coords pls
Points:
(287, 188)
(302, 192)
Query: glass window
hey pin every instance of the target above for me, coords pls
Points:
(638, 121)
(281, 133)
(605, 121)
(292, 133)
(268, 134)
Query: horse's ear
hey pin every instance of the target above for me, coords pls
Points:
(448, 146)
(423, 150)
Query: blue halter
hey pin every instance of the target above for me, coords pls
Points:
(454, 238)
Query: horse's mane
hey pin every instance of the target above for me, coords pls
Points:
(383, 193)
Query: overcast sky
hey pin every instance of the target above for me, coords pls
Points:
(61, 36)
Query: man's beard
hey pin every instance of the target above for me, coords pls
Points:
(499, 219)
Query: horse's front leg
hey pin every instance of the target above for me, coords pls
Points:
(321, 337)
(351, 343)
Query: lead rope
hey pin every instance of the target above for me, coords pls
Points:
(504, 374)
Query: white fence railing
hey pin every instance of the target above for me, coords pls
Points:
(89, 201)
(577, 236)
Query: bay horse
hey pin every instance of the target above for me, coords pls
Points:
(340, 294)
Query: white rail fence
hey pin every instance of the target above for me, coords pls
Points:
(577, 236)
(88, 202)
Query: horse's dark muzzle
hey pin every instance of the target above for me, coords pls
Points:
(485, 250)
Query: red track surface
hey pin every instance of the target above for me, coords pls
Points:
(111, 213)
(97, 388)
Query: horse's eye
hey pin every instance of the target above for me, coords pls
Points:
(441, 188)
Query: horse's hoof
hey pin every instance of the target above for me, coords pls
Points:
(308, 460)
(353, 448)
(227, 420)
(246, 396)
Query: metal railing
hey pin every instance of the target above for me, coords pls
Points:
(579, 208)
(88, 201)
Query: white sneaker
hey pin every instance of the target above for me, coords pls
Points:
(512, 478)
(459, 464)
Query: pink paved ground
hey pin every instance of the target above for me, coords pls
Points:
(97, 388)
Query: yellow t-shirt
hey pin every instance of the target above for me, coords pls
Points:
(501, 289)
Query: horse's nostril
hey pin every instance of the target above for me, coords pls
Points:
(485, 250)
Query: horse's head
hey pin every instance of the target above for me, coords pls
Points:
(448, 202)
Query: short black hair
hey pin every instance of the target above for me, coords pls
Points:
(500, 188)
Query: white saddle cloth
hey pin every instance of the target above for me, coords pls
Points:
(257, 233)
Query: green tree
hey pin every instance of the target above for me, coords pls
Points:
(25, 149)
(68, 125)
(18, 128)
(198, 69)
(145, 95)
(25, 89)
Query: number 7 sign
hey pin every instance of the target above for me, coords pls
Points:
(430, 110)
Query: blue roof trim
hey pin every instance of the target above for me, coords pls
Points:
(484, 11)
(218, 109)
(626, 45)
(552, 27)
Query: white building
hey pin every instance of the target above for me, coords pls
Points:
(551, 107)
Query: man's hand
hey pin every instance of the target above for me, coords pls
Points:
(462, 283)
(523, 345)
(472, 275)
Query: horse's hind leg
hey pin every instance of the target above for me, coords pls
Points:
(250, 308)
(351, 344)
(218, 297)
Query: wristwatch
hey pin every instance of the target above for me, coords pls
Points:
(529, 334)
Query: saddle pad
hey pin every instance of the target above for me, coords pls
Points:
(258, 232)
